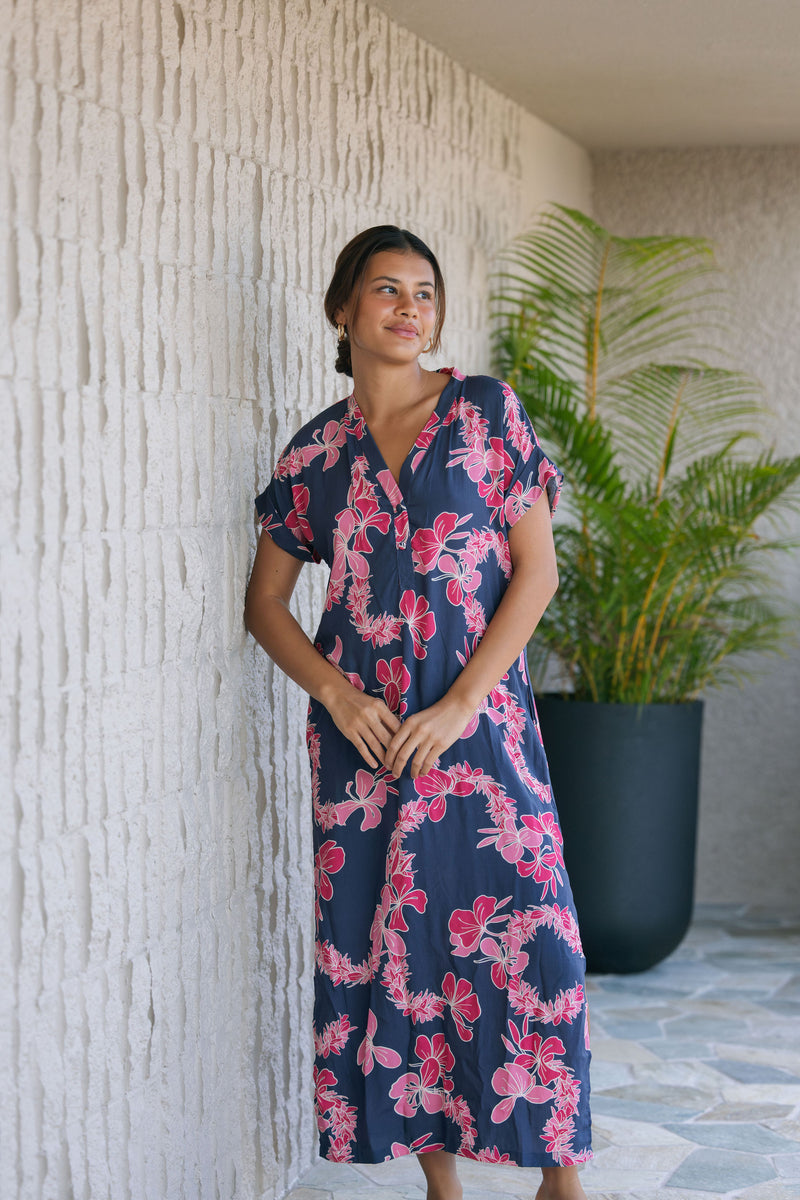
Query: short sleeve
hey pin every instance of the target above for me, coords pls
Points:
(533, 471)
(283, 511)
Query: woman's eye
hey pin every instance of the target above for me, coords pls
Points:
(423, 295)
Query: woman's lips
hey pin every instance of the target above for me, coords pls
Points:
(407, 331)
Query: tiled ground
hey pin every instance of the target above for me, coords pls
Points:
(695, 1080)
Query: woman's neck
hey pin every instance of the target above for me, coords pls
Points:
(381, 389)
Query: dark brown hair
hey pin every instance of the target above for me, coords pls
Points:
(348, 278)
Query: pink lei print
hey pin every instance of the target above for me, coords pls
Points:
(450, 1008)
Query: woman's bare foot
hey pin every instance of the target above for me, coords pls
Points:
(560, 1183)
(440, 1175)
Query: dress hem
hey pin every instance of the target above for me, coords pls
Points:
(531, 1162)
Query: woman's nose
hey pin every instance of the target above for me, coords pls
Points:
(406, 303)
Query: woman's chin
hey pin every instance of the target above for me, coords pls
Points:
(393, 355)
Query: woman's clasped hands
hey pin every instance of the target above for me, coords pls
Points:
(383, 739)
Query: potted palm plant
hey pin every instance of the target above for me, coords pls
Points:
(664, 556)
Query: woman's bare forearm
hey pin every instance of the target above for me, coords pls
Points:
(528, 593)
(271, 623)
(363, 719)
(527, 596)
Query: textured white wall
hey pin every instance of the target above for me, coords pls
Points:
(748, 202)
(175, 180)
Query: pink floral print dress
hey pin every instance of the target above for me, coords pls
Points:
(450, 1009)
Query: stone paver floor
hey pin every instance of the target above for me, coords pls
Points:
(695, 1080)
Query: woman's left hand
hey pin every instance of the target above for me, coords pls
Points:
(425, 735)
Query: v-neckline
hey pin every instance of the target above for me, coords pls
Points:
(395, 484)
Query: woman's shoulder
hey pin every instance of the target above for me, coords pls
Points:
(500, 409)
(319, 424)
(317, 442)
(480, 385)
(493, 396)
(324, 427)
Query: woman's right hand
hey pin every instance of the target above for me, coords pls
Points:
(364, 720)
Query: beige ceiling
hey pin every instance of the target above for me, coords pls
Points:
(631, 73)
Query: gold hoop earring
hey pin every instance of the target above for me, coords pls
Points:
(342, 331)
(425, 349)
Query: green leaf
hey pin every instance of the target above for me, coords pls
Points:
(666, 559)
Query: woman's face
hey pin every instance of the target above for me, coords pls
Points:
(396, 312)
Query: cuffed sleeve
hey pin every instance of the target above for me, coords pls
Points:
(283, 512)
(533, 471)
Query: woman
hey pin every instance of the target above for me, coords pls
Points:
(450, 1016)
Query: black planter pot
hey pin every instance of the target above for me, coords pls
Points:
(625, 782)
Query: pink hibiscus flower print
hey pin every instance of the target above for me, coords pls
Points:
(482, 459)
(345, 557)
(296, 520)
(420, 619)
(505, 956)
(394, 678)
(438, 785)
(428, 544)
(534, 1052)
(328, 860)
(544, 869)
(369, 1053)
(435, 1049)
(519, 500)
(327, 441)
(414, 1089)
(335, 657)
(368, 516)
(463, 1004)
(511, 840)
(515, 1083)
(417, 1147)
(370, 793)
(468, 925)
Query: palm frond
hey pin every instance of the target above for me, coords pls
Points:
(663, 416)
(554, 407)
(666, 554)
(602, 300)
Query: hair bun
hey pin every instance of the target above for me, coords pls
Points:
(344, 363)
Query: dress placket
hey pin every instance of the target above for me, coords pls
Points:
(392, 490)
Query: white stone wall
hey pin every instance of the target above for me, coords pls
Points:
(176, 179)
(748, 202)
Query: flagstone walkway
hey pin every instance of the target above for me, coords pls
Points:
(695, 1080)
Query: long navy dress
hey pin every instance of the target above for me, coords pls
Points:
(449, 987)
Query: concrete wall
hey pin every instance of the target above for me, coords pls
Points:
(175, 181)
(746, 200)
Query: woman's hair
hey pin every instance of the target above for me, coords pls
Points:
(348, 278)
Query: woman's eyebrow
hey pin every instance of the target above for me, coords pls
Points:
(390, 279)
